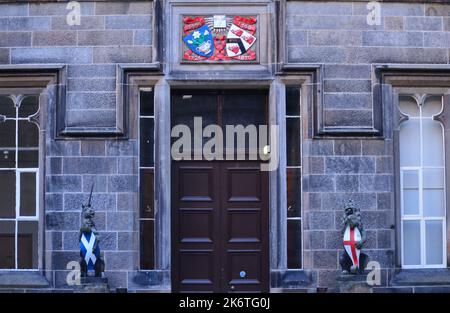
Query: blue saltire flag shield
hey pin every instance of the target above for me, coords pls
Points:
(87, 244)
(201, 41)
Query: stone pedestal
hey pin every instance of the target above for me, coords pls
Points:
(93, 285)
(353, 284)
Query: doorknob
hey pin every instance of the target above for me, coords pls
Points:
(232, 287)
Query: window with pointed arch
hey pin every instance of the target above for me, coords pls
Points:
(19, 181)
(422, 182)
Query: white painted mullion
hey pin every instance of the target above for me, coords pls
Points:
(16, 223)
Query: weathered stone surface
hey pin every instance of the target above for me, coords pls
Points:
(93, 148)
(16, 39)
(4, 56)
(318, 220)
(359, 86)
(127, 201)
(315, 240)
(383, 38)
(393, 23)
(347, 147)
(336, 201)
(16, 9)
(325, 259)
(67, 183)
(349, 165)
(87, 23)
(55, 38)
(51, 55)
(347, 100)
(318, 183)
(370, 183)
(116, 8)
(91, 100)
(46, 9)
(128, 22)
(28, 23)
(62, 220)
(91, 118)
(105, 38)
(347, 71)
(136, 54)
(128, 165)
(423, 23)
(142, 37)
(53, 202)
(128, 241)
(100, 201)
(347, 183)
(348, 117)
(64, 148)
(121, 148)
(89, 165)
(334, 38)
(120, 260)
(120, 221)
(99, 181)
(122, 183)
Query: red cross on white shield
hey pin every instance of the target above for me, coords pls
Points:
(351, 237)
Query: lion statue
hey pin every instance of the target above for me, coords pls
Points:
(352, 260)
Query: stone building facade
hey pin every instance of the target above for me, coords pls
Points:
(351, 66)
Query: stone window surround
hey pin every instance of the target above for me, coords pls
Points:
(395, 79)
(42, 80)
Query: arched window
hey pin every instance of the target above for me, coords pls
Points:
(422, 182)
(19, 181)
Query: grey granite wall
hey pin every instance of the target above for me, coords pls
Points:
(110, 33)
(337, 36)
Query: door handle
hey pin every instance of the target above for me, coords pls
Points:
(232, 287)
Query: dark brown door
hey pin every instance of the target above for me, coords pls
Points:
(219, 227)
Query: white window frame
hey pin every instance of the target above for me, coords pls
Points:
(419, 217)
(18, 172)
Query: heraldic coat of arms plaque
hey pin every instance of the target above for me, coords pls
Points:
(219, 38)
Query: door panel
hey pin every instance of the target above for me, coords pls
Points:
(220, 227)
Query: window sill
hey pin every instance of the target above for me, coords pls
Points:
(18, 279)
(416, 277)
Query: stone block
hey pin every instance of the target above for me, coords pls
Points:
(142, 37)
(347, 147)
(394, 39)
(93, 148)
(349, 165)
(358, 86)
(87, 23)
(116, 8)
(296, 37)
(105, 38)
(51, 55)
(128, 165)
(373, 183)
(342, 100)
(14, 9)
(120, 221)
(15, 39)
(121, 148)
(99, 181)
(128, 241)
(354, 118)
(89, 165)
(62, 221)
(127, 201)
(25, 23)
(91, 118)
(337, 201)
(423, 23)
(45, 9)
(320, 220)
(66, 183)
(120, 260)
(393, 23)
(4, 56)
(334, 38)
(128, 22)
(325, 259)
(54, 38)
(347, 71)
(347, 183)
(63, 148)
(122, 183)
(319, 183)
(91, 100)
(53, 202)
(135, 54)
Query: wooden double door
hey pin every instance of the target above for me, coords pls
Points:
(220, 210)
(219, 227)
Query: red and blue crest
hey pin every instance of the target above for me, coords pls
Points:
(201, 41)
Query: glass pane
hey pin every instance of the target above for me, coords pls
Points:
(29, 106)
(28, 158)
(7, 194)
(244, 109)
(8, 134)
(147, 194)
(434, 246)
(27, 245)
(27, 194)
(7, 107)
(292, 100)
(28, 134)
(408, 106)
(411, 201)
(411, 242)
(147, 245)
(433, 145)
(147, 142)
(293, 141)
(7, 158)
(433, 202)
(7, 244)
(432, 106)
(294, 244)
(410, 179)
(409, 143)
(147, 102)
(433, 178)
(293, 192)
(187, 106)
